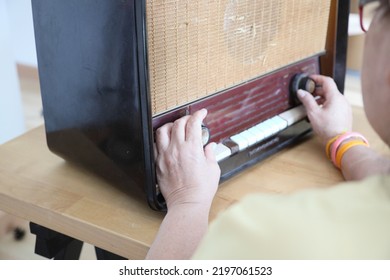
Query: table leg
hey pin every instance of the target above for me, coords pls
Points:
(54, 245)
(106, 255)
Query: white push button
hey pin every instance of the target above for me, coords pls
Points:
(250, 138)
(221, 152)
(279, 122)
(260, 135)
(294, 115)
(240, 141)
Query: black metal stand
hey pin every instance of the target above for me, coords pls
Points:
(55, 245)
(106, 255)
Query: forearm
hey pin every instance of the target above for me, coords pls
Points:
(360, 162)
(180, 232)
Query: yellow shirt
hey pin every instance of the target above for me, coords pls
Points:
(348, 221)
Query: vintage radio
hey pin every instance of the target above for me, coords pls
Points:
(112, 71)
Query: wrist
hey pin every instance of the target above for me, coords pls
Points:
(190, 207)
(196, 196)
(337, 146)
(189, 215)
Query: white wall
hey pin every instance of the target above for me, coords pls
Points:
(22, 31)
(16, 45)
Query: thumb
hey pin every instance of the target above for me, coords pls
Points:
(307, 100)
(209, 151)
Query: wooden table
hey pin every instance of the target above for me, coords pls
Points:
(38, 186)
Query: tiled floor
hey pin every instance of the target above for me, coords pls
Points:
(12, 249)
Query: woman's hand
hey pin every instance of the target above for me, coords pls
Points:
(187, 173)
(188, 177)
(332, 114)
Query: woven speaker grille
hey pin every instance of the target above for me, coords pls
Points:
(197, 48)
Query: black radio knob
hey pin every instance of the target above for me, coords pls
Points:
(301, 81)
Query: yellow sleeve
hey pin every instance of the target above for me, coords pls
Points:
(347, 221)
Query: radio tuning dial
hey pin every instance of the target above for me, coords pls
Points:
(301, 81)
(205, 135)
(309, 85)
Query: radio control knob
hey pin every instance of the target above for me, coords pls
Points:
(205, 135)
(301, 81)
